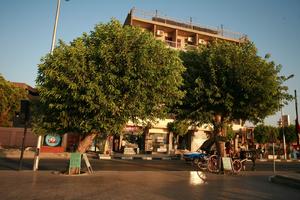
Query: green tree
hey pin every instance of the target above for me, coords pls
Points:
(264, 134)
(99, 81)
(290, 136)
(289, 133)
(226, 81)
(178, 127)
(10, 98)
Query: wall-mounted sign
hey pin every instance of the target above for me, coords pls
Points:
(53, 140)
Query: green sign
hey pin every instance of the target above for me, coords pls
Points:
(227, 163)
(75, 161)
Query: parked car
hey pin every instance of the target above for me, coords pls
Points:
(194, 157)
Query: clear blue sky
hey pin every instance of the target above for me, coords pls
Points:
(27, 25)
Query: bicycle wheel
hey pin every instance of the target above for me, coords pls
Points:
(195, 161)
(213, 164)
(202, 164)
(237, 166)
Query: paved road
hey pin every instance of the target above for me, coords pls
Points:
(162, 185)
(135, 165)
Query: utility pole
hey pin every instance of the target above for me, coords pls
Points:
(283, 135)
(55, 26)
(297, 122)
(26, 112)
(282, 124)
(39, 142)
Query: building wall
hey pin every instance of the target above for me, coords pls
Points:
(197, 140)
(12, 137)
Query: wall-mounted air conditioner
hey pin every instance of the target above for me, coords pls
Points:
(201, 41)
(190, 39)
(159, 33)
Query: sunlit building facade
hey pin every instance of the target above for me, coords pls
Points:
(178, 35)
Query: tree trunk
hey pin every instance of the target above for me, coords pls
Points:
(86, 143)
(83, 146)
(147, 139)
(170, 142)
(218, 131)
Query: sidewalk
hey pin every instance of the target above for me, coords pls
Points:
(29, 153)
(286, 178)
(138, 156)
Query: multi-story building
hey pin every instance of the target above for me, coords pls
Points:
(180, 36)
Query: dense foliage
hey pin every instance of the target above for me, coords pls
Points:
(178, 127)
(289, 133)
(264, 134)
(10, 98)
(101, 80)
(232, 81)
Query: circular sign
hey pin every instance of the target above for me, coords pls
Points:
(52, 140)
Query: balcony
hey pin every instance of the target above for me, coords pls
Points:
(179, 46)
(188, 25)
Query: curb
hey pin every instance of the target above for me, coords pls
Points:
(278, 160)
(285, 180)
(106, 157)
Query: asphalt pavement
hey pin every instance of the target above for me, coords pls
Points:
(287, 178)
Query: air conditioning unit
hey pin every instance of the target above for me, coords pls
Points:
(190, 39)
(159, 33)
(201, 41)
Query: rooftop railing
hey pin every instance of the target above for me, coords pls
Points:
(156, 16)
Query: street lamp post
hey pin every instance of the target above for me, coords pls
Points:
(39, 141)
(283, 135)
(55, 26)
(282, 124)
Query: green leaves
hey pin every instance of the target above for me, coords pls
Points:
(103, 79)
(264, 134)
(231, 80)
(10, 97)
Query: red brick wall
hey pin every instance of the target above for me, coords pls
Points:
(12, 137)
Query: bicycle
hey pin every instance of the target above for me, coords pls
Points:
(238, 165)
(213, 164)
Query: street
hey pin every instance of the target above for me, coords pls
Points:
(101, 165)
(140, 179)
(135, 165)
(141, 185)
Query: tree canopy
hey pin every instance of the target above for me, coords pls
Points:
(264, 134)
(289, 133)
(103, 79)
(232, 81)
(10, 98)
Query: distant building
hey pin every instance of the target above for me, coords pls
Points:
(31, 92)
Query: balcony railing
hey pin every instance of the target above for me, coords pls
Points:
(178, 45)
(156, 16)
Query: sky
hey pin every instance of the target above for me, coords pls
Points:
(26, 28)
